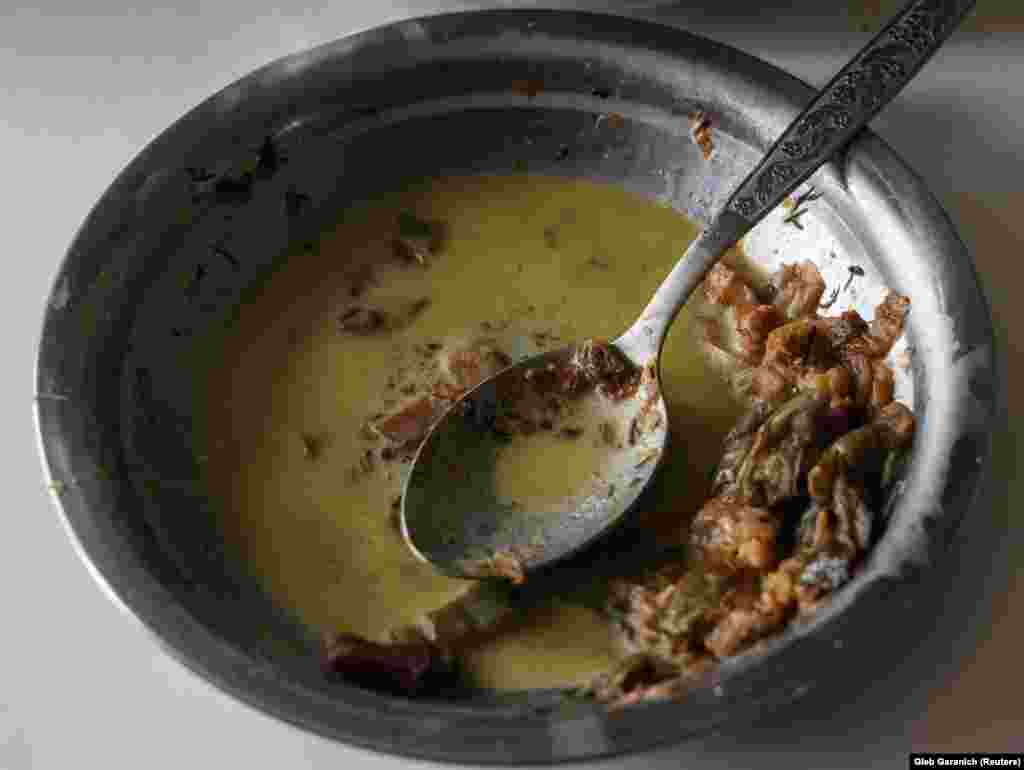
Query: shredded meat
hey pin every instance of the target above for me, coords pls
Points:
(778, 456)
(798, 290)
(887, 325)
(724, 286)
(468, 367)
(892, 429)
(507, 563)
(754, 324)
(700, 131)
(406, 668)
(736, 535)
(411, 422)
(821, 442)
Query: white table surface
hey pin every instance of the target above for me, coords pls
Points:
(85, 86)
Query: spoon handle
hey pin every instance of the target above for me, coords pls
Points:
(836, 114)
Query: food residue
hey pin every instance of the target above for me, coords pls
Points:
(793, 409)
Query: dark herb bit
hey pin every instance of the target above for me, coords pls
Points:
(230, 189)
(415, 308)
(366, 110)
(634, 432)
(194, 280)
(408, 389)
(800, 208)
(295, 202)
(793, 218)
(831, 299)
(199, 175)
(313, 445)
(388, 454)
(227, 256)
(855, 271)
(362, 320)
(602, 93)
(609, 435)
(395, 515)
(563, 153)
(599, 261)
(611, 491)
(367, 461)
(543, 339)
(268, 159)
(571, 431)
(417, 239)
(551, 239)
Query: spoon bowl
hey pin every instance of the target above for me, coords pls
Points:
(456, 514)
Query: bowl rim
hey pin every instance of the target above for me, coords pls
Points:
(370, 720)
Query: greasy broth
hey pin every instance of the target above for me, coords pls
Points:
(287, 404)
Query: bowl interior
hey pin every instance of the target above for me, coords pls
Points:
(211, 207)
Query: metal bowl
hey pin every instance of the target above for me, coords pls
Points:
(210, 206)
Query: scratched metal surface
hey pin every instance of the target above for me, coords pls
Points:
(986, 175)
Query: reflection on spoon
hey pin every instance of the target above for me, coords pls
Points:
(534, 461)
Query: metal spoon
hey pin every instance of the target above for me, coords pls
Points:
(460, 523)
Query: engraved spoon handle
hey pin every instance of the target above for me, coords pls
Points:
(837, 113)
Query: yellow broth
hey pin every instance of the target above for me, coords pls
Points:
(528, 263)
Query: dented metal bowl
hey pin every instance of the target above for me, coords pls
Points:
(267, 161)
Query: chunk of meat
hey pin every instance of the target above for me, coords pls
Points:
(892, 429)
(798, 290)
(482, 610)
(665, 612)
(735, 535)
(782, 450)
(468, 367)
(887, 325)
(639, 677)
(759, 614)
(700, 132)
(883, 387)
(411, 422)
(788, 346)
(598, 360)
(599, 364)
(840, 330)
(766, 384)
(754, 323)
(505, 563)
(741, 627)
(405, 668)
(835, 383)
(724, 286)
